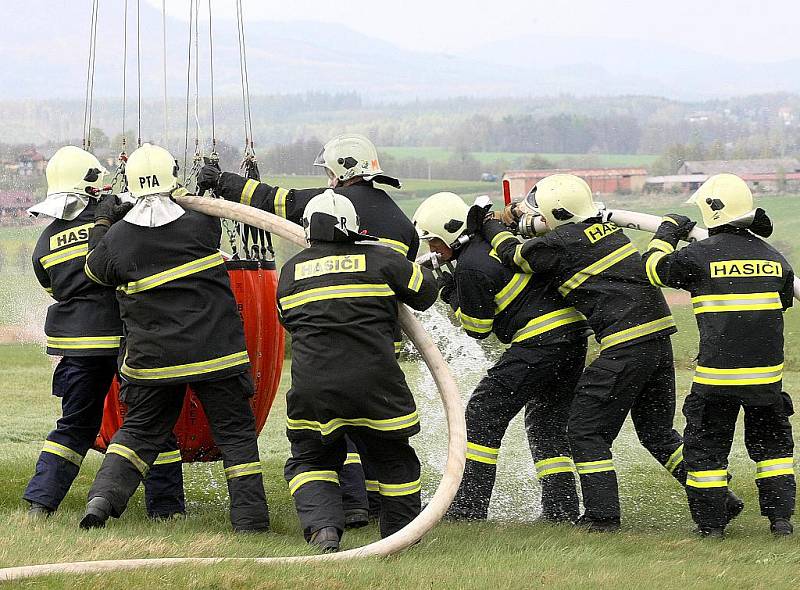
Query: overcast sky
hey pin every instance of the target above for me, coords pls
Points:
(745, 30)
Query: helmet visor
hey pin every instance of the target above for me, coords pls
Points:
(320, 159)
(531, 203)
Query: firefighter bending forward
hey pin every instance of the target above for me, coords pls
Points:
(339, 301)
(539, 370)
(740, 287)
(181, 327)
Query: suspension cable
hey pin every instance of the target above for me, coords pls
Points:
(211, 71)
(139, 72)
(164, 64)
(248, 123)
(196, 79)
(188, 88)
(124, 78)
(89, 98)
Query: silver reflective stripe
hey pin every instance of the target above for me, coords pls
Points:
(479, 453)
(779, 467)
(756, 375)
(739, 304)
(594, 466)
(707, 478)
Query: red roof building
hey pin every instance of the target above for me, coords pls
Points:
(601, 180)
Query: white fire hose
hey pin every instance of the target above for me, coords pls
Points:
(408, 535)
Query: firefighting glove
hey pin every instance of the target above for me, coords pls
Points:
(110, 210)
(762, 224)
(674, 227)
(208, 177)
(508, 216)
(446, 285)
(476, 216)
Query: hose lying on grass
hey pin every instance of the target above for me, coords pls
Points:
(411, 533)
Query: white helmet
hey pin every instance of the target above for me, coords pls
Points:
(724, 199)
(562, 199)
(351, 155)
(443, 216)
(73, 170)
(151, 170)
(330, 217)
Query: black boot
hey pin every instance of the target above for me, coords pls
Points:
(597, 526)
(326, 539)
(356, 518)
(781, 527)
(39, 511)
(97, 512)
(733, 506)
(710, 532)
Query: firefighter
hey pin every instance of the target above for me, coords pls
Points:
(339, 301)
(597, 270)
(351, 163)
(83, 327)
(181, 327)
(539, 370)
(740, 287)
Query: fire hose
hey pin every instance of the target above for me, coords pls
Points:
(407, 536)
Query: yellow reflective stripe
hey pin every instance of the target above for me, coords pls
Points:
(415, 282)
(326, 428)
(84, 342)
(62, 451)
(352, 458)
(637, 332)
(715, 478)
(482, 454)
(674, 459)
(398, 347)
(508, 293)
(90, 274)
(520, 261)
(479, 325)
(656, 244)
(280, 202)
(596, 268)
(502, 237)
(242, 469)
(172, 274)
(553, 465)
(302, 479)
(549, 321)
(336, 292)
(395, 245)
(738, 376)
(247, 191)
(400, 489)
(372, 485)
(130, 455)
(774, 467)
(651, 267)
(49, 290)
(198, 368)
(587, 467)
(64, 255)
(669, 220)
(168, 457)
(736, 302)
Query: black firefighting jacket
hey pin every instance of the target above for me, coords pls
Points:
(339, 302)
(84, 320)
(521, 309)
(598, 271)
(180, 316)
(740, 286)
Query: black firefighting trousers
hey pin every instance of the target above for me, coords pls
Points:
(542, 380)
(82, 384)
(640, 379)
(358, 482)
(710, 424)
(313, 475)
(147, 427)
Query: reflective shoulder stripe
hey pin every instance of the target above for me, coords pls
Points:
(243, 469)
(775, 467)
(84, 342)
(130, 455)
(587, 467)
(553, 465)
(336, 292)
(301, 479)
(651, 267)
(90, 274)
(400, 489)
(737, 302)
(415, 282)
(280, 202)
(482, 454)
(502, 237)
(510, 292)
(372, 485)
(596, 268)
(198, 368)
(326, 428)
(48, 290)
(549, 321)
(64, 255)
(352, 458)
(398, 347)
(520, 261)
(661, 245)
(738, 376)
(172, 274)
(395, 245)
(62, 451)
(478, 325)
(716, 478)
(674, 460)
(168, 457)
(247, 191)
(639, 331)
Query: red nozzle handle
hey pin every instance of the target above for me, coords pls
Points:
(507, 191)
